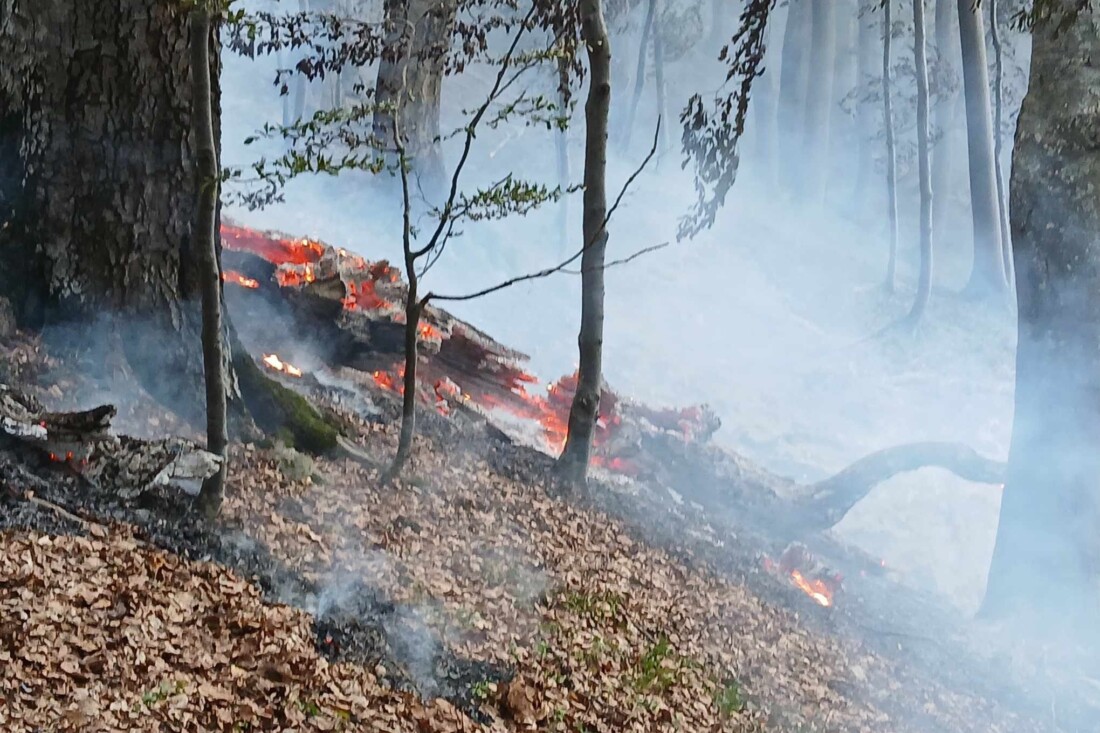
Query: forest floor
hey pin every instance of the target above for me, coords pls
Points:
(472, 595)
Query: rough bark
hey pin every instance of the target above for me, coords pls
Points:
(945, 151)
(988, 273)
(206, 251)
(924, 284)
(794, 84)
(1047, 552)
(817, 124)
(891, 153)
(998, 139)
(410, 80)
(586, 401)
(99, 195)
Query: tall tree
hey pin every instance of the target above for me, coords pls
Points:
(794, 83)
(945, 115)
(99, 194)
(206, 249)
(988, 273)
(410, 80)
(867, 71)
(574, 459)
(1047, 553)
(924, 283)
(891, 153)
(817, 124)
(998, 136)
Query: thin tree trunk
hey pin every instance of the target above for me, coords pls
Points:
(765, 107)
(205, 245)
(562, 141)
(1047, 553)
(945, 114)
(586, 401)
(865, 127)
(659, 83)
(817, 128)
(924, 284)
(998, 139)
(839, 153)
(639, 74)
(300, 79)
(891, 153)
(793, 86)
(413, 307)
(988, 273)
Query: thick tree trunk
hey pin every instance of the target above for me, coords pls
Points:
(924, 284)
(586, 401)
(945, 151)
(998, 138)
(793, 86)
(891, 153)
(1047, 553)
(206, 250)
(410, 80)
(988, 273)
(99, 190)
(816, 131)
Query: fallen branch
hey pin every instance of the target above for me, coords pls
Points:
(827, 502)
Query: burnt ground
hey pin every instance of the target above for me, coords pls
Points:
(627, 608)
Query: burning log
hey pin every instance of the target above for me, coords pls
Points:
(350, 311)
(83, 442)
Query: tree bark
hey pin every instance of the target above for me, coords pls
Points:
(562, 142)
(998, 139)
(586, 401)
(765, 108)
(793, 85)
(945, 150)
(1047, 552)
(98, 198)
(924, 284)
(891, 153)
(206, 250)
(410, 81)
(988, 272)
(816, 131)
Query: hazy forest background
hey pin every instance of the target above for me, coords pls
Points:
(765, 315)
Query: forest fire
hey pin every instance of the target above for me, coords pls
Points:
(795, 563)
(277, 364)
(458, 365)
(236, 278)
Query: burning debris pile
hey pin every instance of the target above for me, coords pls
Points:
(351, 312)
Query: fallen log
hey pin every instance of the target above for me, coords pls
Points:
(83, 442)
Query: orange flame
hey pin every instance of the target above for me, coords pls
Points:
(232, 276)
(279, 365)
(273, 248)
(818, 590)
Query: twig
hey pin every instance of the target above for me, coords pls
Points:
(563, 265)
(623, 261)
(60, 510)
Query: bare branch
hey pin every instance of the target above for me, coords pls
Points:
(560, 267)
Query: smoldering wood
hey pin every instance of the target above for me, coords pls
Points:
(83, 442)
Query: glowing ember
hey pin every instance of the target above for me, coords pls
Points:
(815, 589)
(290, 275)
(279, 365)
(232, 276)
(429, 332)
(274, 249)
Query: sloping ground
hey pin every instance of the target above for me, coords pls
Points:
(598, 629)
